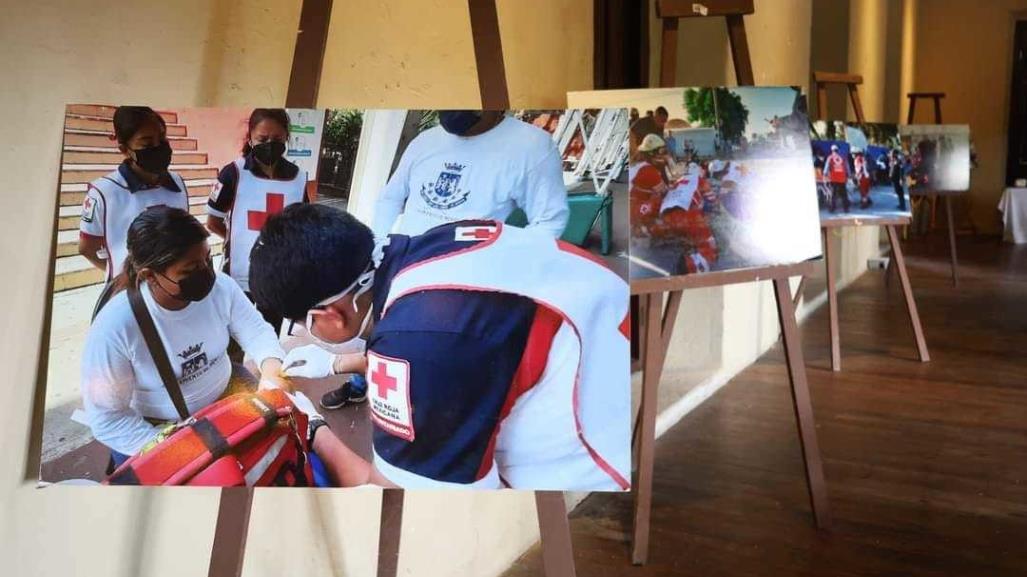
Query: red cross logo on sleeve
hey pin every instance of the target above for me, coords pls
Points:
(274, 204)
(381, 379)
(471, 233)
(391, 409)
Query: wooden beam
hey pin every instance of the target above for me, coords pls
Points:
(813, 464)
(226, 556)
(555, 533)
(389, 532)
(700, 9)
(488, 55)
(308, 57)
(669, 52)
(821, 77)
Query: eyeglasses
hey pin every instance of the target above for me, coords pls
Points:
(361, 285)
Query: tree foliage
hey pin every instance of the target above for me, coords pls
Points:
(726, 113)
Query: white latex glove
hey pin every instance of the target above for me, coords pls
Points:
(304, 405)
(308, 362)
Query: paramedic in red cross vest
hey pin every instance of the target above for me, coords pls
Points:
(141, 180)
(251, 188)
(838, 175)
(475, 164)
(495, 356)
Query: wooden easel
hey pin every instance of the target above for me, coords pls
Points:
(657, 317)
(229, 544)
(936, 97)
(851, 81)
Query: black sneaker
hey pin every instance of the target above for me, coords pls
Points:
(344, 395)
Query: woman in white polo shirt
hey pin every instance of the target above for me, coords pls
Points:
(114, 200)
(195, 311)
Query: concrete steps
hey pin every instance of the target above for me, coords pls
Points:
(89, 153)
(103, 140)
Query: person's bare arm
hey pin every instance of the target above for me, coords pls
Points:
(216, 225)
(89, 246)
(346, 468)
(350, 363)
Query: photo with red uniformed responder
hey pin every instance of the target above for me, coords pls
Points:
(291, 297)
(711, 179)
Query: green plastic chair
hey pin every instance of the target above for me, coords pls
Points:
(585, 210)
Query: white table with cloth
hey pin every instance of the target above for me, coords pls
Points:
(1013, 207)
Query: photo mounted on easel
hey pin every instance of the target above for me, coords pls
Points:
(862, 171)
(286, 297)
(719, 178)
(939, 157)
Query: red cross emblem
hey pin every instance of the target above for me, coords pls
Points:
(381, 379)
(274, 204)
(472, 233)
(391, 409)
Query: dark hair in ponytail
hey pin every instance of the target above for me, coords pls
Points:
(129, 119)
(158, 237)
(259, 115)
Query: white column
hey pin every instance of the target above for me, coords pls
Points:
(379, 138)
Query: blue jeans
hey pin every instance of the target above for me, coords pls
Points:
(358, 384)
(118, 458)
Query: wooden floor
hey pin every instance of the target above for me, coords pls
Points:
(926, 464)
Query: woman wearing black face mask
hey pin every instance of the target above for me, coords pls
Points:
(253, 187)
(195, 310)
(115, 199)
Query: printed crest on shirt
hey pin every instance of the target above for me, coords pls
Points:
(194, 362)
(388, 382)
(445, 193)
(88, 209)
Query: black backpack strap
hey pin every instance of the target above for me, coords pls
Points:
(156, 348)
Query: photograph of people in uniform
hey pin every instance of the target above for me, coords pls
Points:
(717, 178)
(280, 297)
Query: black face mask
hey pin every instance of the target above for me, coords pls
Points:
(458, 122)
(155, 159)
(196, 285)
(269, 152)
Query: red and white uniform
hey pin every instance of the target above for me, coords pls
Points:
(245, 201)
(837, 169)
(113, 201)
(564, 421)
(862, 176)
(646, 193)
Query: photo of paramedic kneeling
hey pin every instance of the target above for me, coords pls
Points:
(157, 355)
(496, 357)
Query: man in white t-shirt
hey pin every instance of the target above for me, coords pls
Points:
(475, 164)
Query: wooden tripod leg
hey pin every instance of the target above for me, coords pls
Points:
(952, 240)
(657, 337)
(802, 405)
(555, 532)
(389, 532)
(832, 305)
(226, 555)
(914, 316)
